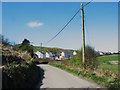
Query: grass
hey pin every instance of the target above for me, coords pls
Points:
(107, 58)
(111, 67)
(105, 62)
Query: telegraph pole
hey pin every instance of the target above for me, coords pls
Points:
(83, 34)
(41, 47)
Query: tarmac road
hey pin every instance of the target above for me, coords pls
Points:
(57, 78)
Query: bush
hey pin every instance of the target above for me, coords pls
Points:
(91, 61)
(75, 60)
(22, 75)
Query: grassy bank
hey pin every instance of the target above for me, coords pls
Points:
(105, 62)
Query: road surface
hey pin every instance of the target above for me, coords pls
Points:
(57, 78)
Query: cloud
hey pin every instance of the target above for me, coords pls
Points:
(34, 24)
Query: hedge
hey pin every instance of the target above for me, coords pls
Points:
(22, 75)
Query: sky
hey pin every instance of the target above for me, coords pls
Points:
(40, 21)
(59, 0)
(0, 17)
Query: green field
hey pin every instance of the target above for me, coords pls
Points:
(105, 62)
(107, 58)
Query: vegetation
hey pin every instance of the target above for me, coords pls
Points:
(25, 46)
(87, 74)
(19, 69)
(22, 75)
(48, 49)
(104, 73)
(107, 58)
(25, 42)
(75, 61)
(4, 40)
(21, 72)
(106, 62)
(91, 61)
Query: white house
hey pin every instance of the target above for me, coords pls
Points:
(66, 54)
(62, 54)
(47, 55)
(74, 53)
(101, 53)
(58, 58)
(51, 55)
(39, 54)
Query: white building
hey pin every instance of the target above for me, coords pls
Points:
(51, 55)
(66, 54)
(74, 53)
(39, 54)
(58, 58)
(101, 53)
(62, 54)
(47, 55)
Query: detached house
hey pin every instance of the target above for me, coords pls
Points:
(47, 55)
(66, 54)
(39, 54)
(74, 53)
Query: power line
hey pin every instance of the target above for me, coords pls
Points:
(63, 27)
(87, 3)
(67, 23)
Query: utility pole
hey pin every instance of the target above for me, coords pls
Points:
(83, 34)
(41, 47)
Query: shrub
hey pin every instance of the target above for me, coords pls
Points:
(91, 61)
(75, 60)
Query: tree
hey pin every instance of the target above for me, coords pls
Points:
(25, 42)
(4, 40)
(25, 46)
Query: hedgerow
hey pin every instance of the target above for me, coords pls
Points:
(22, 75)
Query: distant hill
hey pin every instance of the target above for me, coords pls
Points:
(50, 49)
